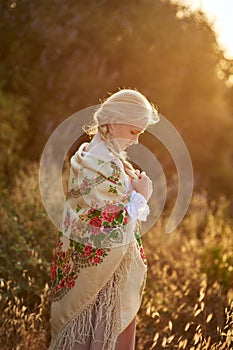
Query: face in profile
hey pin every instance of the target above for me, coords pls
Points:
(125, 134)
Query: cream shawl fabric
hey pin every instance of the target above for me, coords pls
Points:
(99, 268)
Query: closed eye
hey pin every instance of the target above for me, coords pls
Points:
(136, 132)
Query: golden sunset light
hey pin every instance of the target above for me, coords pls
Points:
(116, 170)
(221, 13)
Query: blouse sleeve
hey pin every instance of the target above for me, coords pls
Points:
(137, 207)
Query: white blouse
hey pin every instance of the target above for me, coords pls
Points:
(137, 207)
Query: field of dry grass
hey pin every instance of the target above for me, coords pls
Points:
(188, 300)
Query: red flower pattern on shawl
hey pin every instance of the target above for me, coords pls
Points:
(95, 224)
(65, 268)
(110, 212)
(86, 253)
(87, 250)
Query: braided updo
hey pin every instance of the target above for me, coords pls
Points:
(125, 106)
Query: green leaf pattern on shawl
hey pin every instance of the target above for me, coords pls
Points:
(96, 227)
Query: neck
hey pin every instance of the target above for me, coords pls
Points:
(113, 147)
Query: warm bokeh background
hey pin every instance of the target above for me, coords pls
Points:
(59, 57)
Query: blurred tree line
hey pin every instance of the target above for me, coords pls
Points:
(59, 57)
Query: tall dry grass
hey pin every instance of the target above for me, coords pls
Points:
(27, 237)
(187, 302)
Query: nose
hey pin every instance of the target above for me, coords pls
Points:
(135, 140)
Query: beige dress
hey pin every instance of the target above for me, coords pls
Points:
(99, 267)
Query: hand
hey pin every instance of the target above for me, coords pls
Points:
(143, 184)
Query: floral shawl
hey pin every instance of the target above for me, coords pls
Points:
(99, 266)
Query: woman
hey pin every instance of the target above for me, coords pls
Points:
(99, 266)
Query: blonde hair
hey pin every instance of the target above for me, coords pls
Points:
(125, 106)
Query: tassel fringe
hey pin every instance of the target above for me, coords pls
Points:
(98, 325)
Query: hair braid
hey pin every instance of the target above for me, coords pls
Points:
(113, 147)
(125, 106)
